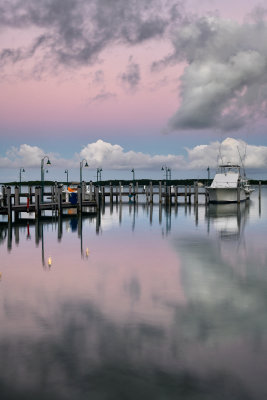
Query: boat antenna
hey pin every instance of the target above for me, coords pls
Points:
(241, 161)
(220, 154)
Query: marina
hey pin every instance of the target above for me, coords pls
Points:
(90, 197)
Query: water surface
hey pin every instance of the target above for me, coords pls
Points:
(145, 303)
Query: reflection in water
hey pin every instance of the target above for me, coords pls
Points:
(146, 302)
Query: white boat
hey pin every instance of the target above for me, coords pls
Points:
(228, 185)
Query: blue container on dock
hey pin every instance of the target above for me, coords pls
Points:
(73, 198)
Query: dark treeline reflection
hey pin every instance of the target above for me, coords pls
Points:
(194, 328)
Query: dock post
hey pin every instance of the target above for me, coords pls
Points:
(59, 200)
(120, 191)
(37, 199)
(146, 194)
(160, 192)
(17, 201)
(195, 192)
(117, 194)
(176, 194)
(151, 192)
(103, 195)
(9, 203)
(185, 194)
(30, 194)
(130, 192)
(91, 190)
(136, 192)
(260, 190)
(110, 193)
(79, 199)
(4, 195)
(83, 189)
(97, 197)
(17, 196)
(189, 194)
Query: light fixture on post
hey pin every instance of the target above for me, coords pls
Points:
(98, 174)
(167, 172)
(42, 174)
(81, 166)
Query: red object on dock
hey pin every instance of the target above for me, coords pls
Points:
(28, 204)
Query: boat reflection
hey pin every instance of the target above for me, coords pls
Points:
(228, 220)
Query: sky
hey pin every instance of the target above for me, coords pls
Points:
(132, 84)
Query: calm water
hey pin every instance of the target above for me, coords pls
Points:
(145, 304)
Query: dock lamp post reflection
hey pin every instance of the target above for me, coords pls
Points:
(167, 172)
(98, 174)
(67, 172)
(42, 174)
(81, 167)
(20, 171)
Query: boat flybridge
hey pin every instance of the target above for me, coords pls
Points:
(229, 185)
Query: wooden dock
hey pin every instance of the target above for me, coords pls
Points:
(91, 197)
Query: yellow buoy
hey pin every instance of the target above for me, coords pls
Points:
(49, 261)
(87, 252)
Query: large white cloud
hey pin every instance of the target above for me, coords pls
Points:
(113, 156)
(224, 85)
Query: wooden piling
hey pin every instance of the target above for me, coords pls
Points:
(120, 191)
(136, 192)
(103, 195)
(79, 199)
(9, 203)
(4, 195)
(151, 193)
(37, 199)
(189, 194)
(259, 190)
(59, 200)
(111, 193)
(160, 192)
(176, 194)
(185, 194)
(195, 192)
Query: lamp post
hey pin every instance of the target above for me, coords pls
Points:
(20, 171)
(208, 169)
(133, 174)
(98, 174)
(81, 166)
(167, 171)
(42, 174)
(67, 172)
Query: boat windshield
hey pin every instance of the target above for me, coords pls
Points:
(225, 168)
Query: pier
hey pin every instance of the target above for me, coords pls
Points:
(89, 198)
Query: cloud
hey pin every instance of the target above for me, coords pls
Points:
(224, 84)
(230, 150)
(74, 32)
(131, 77)
(103, 96)
(114, 157)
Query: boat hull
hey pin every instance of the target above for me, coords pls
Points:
(226, 195)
